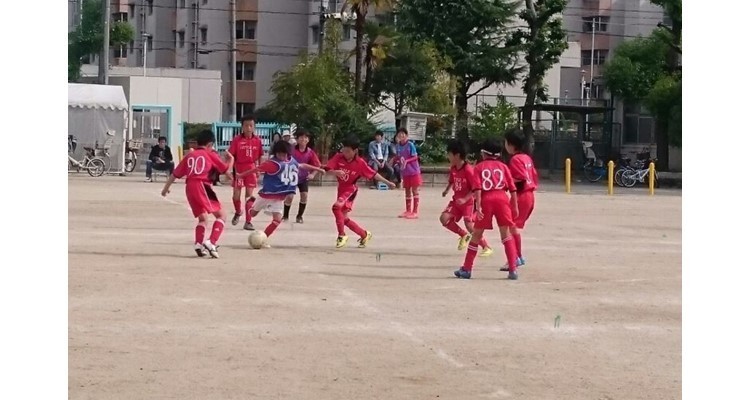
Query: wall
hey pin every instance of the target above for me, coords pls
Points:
(158, 91)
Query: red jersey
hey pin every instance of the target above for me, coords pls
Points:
(246, 151)
(493, 178)
(463, 181)
(353, 170)
(522, 169)
(197, 164)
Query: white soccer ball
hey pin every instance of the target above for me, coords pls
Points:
(257, 239)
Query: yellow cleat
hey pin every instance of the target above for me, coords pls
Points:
(363, 241)
(463, 242)
(486, 252)
(341, 241)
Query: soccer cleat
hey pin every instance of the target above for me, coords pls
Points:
(405, 214)
(462, 273)
(412, 216)
(341, 241)
(236, 219)
(200, 250)
(249, 226)
(213, 251)
(513, 275)
(464, 241)
(300, 220)
(519, 262)
(363, 241)
(486, 252)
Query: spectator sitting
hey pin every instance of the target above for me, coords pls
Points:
(159, 159)
(379, 152)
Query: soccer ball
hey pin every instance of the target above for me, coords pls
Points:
(257, 239)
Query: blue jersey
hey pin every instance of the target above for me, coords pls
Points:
(284, 181)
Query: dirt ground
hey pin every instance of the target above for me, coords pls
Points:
(150, 320)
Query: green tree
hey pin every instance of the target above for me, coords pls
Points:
(490, 119)
(88, 37)
(472, 35)
(646, 70)
(543, 41)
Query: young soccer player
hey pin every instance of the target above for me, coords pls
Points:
(348, 167)
(303, 155)
(527, 181)
(195, 168)
(247, 150)
(281, 176)
(406, 155)
(493, 180)
(461, 179)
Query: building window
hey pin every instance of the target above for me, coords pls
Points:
(597, 23)
(121, 51)
(347, 34)
(150, 43)
(181, 39)
(131, 9)
(132, 44)
(150, 7)
(204, 2)
(315, 34)
(600, 57)
(243, 109)
(638, 125)
(245, 71)
(182, 3)
(245, 30)
(204, 36)
(120, 17)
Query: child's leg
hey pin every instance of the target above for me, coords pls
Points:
(470, 228)
(471, 251)
(510, 247)
(249, 202)
(288, 205)
(408, 196)
(449, 222)
(274, 224)
(354, 226)
(236, 194)
(338, 214)
(302, 204)
(218, 226)
(415, 199)
(516, 233)
(200, 228)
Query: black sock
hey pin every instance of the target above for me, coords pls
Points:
(301, 211)
(286, 210)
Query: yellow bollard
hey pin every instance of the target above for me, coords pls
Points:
(651, 178)
(611, 178)
(567, 175)
(179, 153)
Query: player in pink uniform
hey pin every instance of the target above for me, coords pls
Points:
(494, 181)
(527, 181)
(348, 167)
(195, 168)
(411, 174)
(247, 150)
(305, 155)
(461, 179)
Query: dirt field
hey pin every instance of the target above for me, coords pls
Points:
(150, 320)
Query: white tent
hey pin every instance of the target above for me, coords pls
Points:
(98, 115)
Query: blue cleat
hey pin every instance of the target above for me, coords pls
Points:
(513, 275)
(462, 273)
(519, 262)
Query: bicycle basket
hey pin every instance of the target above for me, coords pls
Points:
(135, 144)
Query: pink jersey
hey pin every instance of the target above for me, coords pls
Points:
(246, 151)
(305, 157)
(494, 179)
(353, 170)
(197, 164)
(463, 181)
(523, 171)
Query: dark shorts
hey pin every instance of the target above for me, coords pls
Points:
(303, 187)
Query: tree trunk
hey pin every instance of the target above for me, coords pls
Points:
(359, 28)
(368, 76)
(662, 144)
(462, 115)
(398, 109)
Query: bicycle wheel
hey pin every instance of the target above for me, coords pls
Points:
(107, 162)
(591, 172)
(95, 167)
(130, 163)
(629, 179)
(618, 177)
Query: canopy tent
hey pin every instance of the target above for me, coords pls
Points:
(98, 118)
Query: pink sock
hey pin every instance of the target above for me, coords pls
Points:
(216, 231)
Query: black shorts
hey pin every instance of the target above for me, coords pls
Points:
(303, 187)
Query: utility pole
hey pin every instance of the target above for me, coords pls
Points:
(104, 56)
(80, 13)
(322, 23)
(233, 50)
(145, 50)
(594, 24)
(196, 23)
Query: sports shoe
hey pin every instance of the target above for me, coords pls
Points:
(462, 273)
(404, 214)
(486, 252)
(285, 219)
(148, 179)
(211, 248)
(341, 241)
(463, 241)
(363, 241)
(300, 220)
(249, 226)
(412, 216)
(513, 275)
(236, 219)
(519, 262)
(200, 250)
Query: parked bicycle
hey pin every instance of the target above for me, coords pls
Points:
(92, 164)
(131, 154)
(630, 177)
(641, 162)
(103, 151)
(594, 169)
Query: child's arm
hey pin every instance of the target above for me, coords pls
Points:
(514, 203)
(312, 168)
(447, 189)
(478, 202)
(169, 183)
(380, 178)
(230, 164)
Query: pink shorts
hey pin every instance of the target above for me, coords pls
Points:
(412, 181)
(249, 181)
(497, 209)
(465, 211)
(202, 198)
(525, 207)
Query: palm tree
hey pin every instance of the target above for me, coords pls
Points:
(360, 8)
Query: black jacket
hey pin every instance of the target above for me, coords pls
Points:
(157, 152)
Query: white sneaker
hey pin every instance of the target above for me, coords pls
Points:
(149, 180)
(211, 248)
(200, 250)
